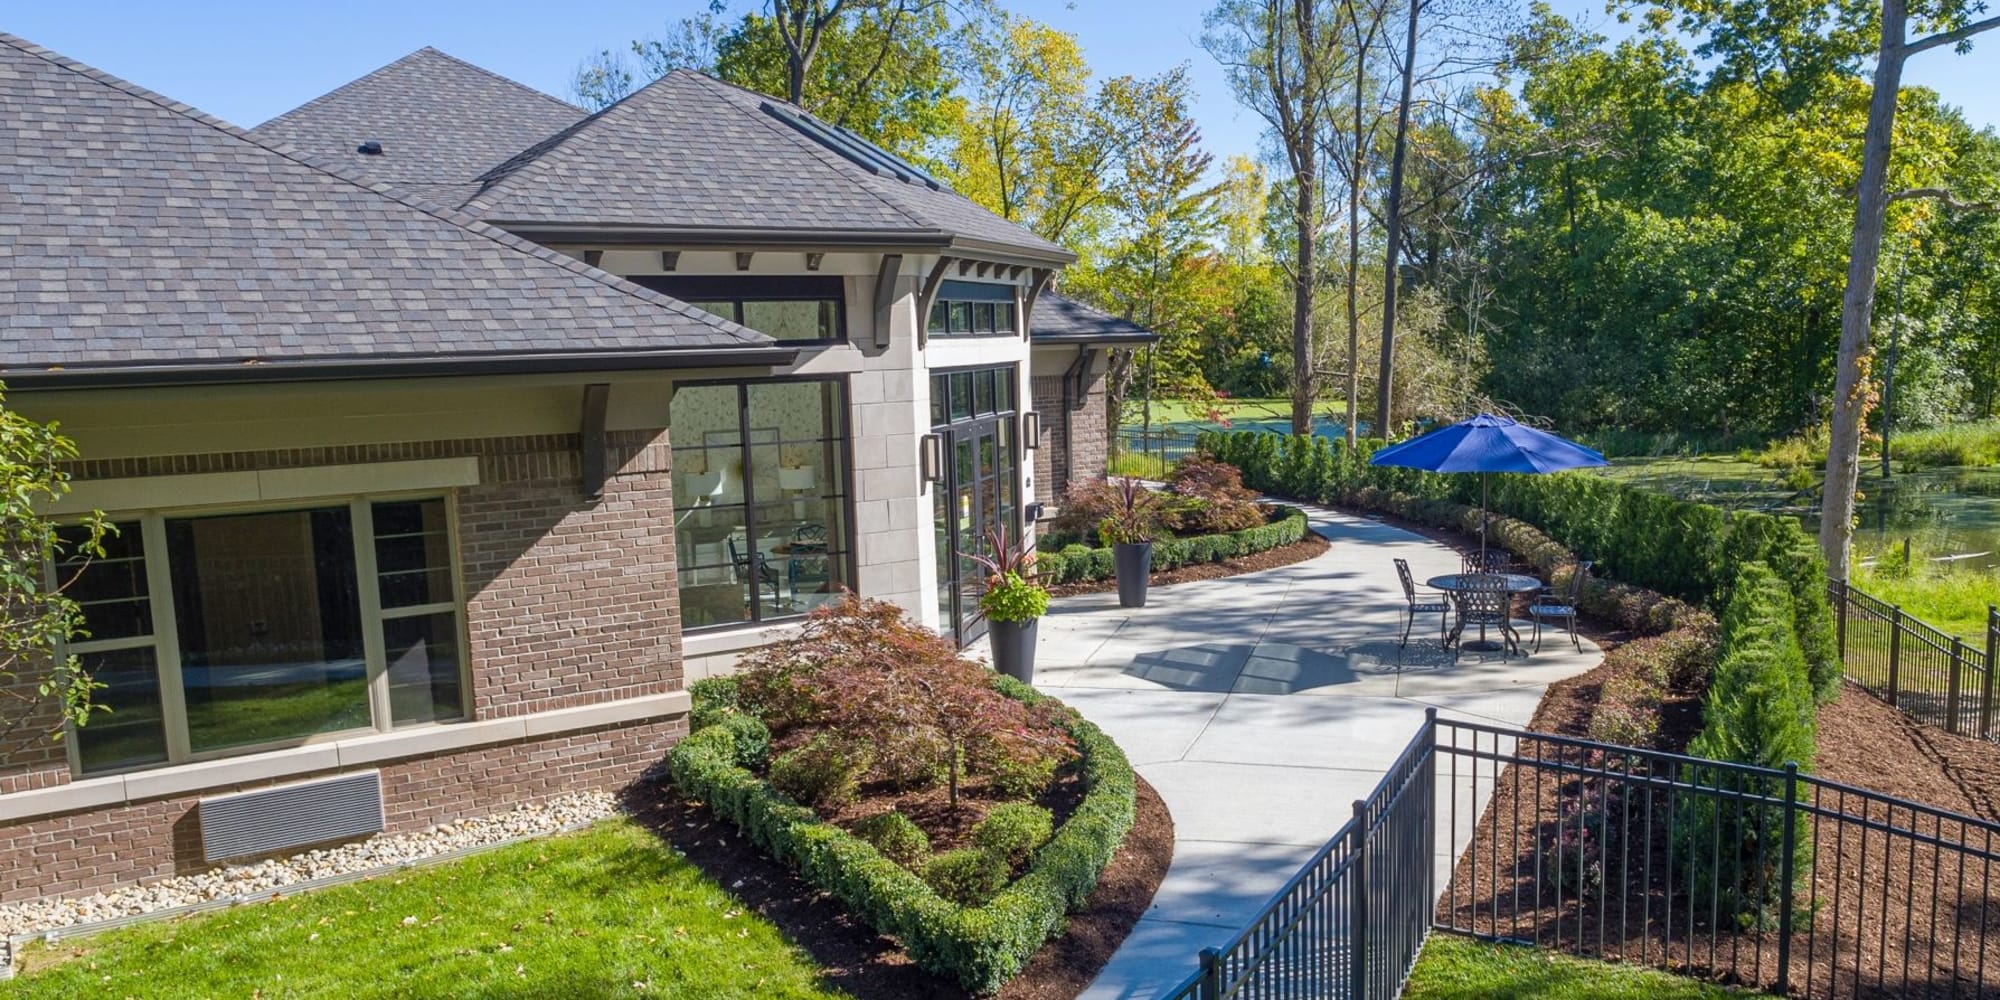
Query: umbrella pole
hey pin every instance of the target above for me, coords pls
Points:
(1482, 522)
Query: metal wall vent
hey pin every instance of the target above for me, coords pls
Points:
(273, 819)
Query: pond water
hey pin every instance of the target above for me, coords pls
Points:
(1953, 511)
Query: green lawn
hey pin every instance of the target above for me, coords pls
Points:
(1456, 968)
(1173, 411)
(605, 912)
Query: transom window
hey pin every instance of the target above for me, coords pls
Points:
(791, 308)
(760, 498)
(216, 634)
(973, 309)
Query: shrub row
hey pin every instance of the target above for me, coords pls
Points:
(1759, 711)
(1679, 548)
(980, 947)
(1080, 563)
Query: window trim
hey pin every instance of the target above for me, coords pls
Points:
(165, 643)
(850, 558)
(739, 289)
(974, 294)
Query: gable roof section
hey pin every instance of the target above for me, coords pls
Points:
(441, 122)
(1059, 319)
(150, 242)
(688, 152)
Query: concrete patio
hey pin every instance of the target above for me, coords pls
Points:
(1261, 706)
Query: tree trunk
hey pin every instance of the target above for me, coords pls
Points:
(1394, 220)
(1305, 211)
(1354, 258)
(1850, 391)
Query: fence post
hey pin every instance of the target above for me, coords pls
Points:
(1960, 656)
(1357, 919)
(1211, 975)
(1895, 652)
(1839, 588)
(1789, 839)
(1992, 661)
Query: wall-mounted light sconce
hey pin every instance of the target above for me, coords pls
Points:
(813, 261)
(1031, 430)
(670, 259)
(593, 257)
(930, 457)
(743, 259)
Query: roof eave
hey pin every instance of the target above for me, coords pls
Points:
(723, 237)
(26, 379)
(1058, 339)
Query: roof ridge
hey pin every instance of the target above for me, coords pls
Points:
(398, 61)
(824, 156)
(519, 164)
(389, 191)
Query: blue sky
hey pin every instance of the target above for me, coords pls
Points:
(247, 61)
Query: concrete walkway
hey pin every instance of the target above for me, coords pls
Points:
(1261, 706)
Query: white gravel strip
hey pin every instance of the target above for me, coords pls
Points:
(264, 877)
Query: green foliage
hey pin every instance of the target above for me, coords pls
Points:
(969, 876)
(1077, 563)
(1684, 550)
(714, 699)
(34, 676)
(1014, 599)
(1759, 711)
(753, 739)
(1013, 830)
(1627, 712)
(895, 836)
(981, 947)
(824, 773)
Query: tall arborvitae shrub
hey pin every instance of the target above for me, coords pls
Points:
(1759, 711)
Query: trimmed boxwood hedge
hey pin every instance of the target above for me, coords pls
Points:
(980, 947)
(1080, 563)
(1682, 549)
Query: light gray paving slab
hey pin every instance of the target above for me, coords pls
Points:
(1261, 706)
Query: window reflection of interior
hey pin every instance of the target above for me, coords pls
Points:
(759, 498)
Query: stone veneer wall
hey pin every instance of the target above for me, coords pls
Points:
(569, 602)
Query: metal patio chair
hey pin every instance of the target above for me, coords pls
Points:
(1488, 561)
(1420, 605)
(1487, 603)
(1560, 605)
(766, 575)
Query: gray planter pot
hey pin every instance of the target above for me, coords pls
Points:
(1135, 569)
(1014, 648)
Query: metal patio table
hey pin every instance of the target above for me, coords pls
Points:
(1455, 583)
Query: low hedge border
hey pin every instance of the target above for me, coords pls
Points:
(1081, 564)
(980, 947)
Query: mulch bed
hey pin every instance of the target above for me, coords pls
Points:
(1284, 555)
(869, 966)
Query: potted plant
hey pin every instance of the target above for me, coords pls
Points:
(1129, 529)
(1013, 604)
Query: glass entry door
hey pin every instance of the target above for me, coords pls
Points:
(977, 494)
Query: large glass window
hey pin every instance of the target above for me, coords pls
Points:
(788, 307)
(220, 633)
(118, 650)
(973, 309)
(760, 498)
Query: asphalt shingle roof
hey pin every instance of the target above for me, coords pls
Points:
(1059, 318)
(139, 232)
(441, 122)
(686, 152)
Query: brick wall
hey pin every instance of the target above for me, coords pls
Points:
(88, 851)
(1075, 442)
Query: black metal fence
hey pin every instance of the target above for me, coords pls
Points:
(1936, 678)
(1765, 878)
(1170, 443)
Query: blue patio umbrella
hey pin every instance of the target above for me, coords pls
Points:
(1485, 444)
